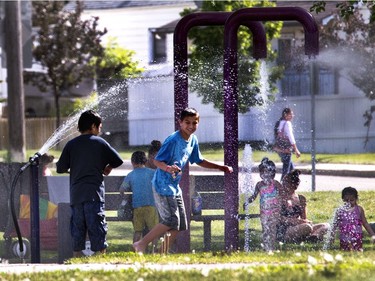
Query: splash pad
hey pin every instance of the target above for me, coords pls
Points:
(231, 26)
(231, 21)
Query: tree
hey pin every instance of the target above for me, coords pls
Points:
(116, 63)
(206, 59)
(64, 45)
(346, 8)
(354, 38)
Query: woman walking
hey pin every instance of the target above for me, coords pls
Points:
(285, 141)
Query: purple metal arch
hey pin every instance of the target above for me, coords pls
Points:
(181, 54)
(231, 96)
(181, 76)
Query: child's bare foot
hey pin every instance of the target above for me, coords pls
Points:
(138, 248)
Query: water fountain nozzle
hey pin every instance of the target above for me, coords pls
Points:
(32, 160)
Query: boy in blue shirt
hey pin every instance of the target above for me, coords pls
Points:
(178, 148)
(139, 182)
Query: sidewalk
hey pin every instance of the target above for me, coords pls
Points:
(339, 170)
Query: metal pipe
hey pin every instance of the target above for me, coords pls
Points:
(34, 212)
(181, 54)
(181, 75)
(231, 96)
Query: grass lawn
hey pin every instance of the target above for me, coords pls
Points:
(290, 262)
(305, 261)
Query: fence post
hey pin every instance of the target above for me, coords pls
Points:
(65, 246)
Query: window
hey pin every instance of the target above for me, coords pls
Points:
(284, 50)
(296, 80)
(158, 47)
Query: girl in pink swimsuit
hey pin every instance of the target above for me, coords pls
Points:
(269, 189)
(349, 220)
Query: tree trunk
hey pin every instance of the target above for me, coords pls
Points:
(16, 102)
(56, 93)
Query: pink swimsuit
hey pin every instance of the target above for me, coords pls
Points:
(269, 202)
(350, 225)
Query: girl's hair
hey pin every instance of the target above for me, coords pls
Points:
(87, 119)
(349, 191)
(293, 177)
(154, 148)
(139, 158)
(285, 112)
(189, 112)
(268, 165)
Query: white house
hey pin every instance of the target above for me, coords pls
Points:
(147, 28)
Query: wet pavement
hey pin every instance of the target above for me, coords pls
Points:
(328, 177)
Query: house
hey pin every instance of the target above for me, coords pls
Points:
(336, 108)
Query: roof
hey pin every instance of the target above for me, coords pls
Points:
(102, 5)
(330, 8)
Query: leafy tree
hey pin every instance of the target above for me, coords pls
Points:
(354, 37)
(64, 45)
(346, 8)
(206, 59)
(116, 63)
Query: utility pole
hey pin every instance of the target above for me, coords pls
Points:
(16, 102)
(314, 81)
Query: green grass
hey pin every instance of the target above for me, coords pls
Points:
(298, 262)
(260, 266)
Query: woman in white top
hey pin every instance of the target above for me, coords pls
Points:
(284, 125)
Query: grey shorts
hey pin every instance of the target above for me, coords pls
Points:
(171, 211)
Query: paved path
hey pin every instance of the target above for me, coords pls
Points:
(329, 177)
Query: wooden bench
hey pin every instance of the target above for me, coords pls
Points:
(211, 189)
(112, 196)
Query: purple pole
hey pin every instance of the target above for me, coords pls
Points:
(231, 96)
(181, 79)
(34, 213)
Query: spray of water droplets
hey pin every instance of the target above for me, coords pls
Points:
(246, 188)
(106, 103)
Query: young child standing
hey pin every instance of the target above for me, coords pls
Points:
(269, 189)
(139, 182)
(152, 151)
(87, 158)
(349, 220)
(177, 149)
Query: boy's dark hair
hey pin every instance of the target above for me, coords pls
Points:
(349, 191)
(87, 119)
(139, 158)
(268, 165)
(155, 147)
(189, 112)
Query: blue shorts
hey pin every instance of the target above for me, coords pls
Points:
(171, 211)
(88, 218)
